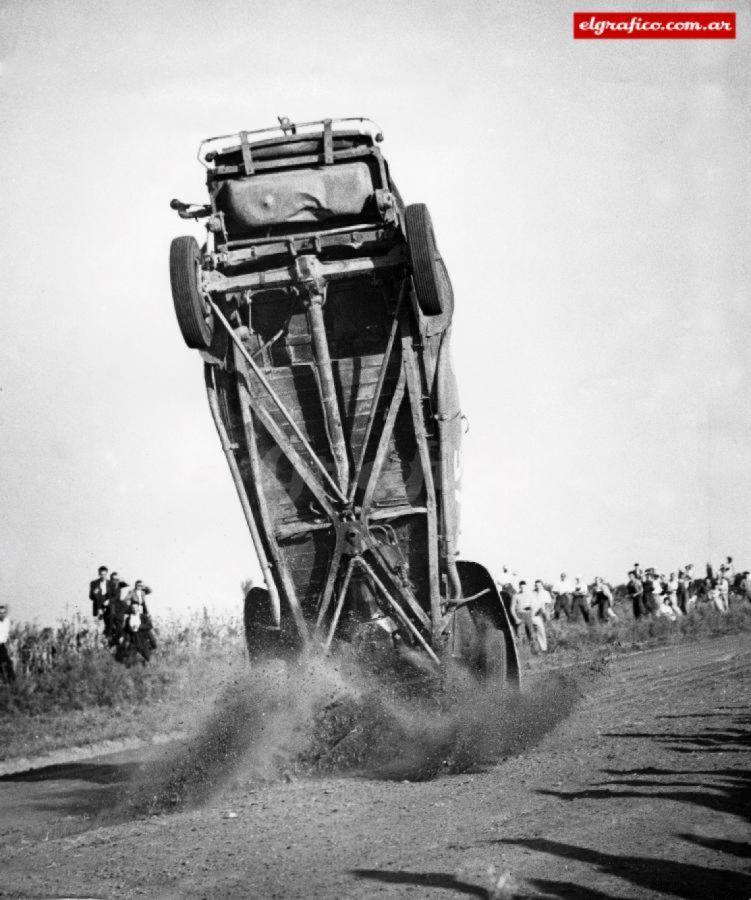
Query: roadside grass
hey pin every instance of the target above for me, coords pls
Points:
(576, 640)
(70, 691)
(80, 695)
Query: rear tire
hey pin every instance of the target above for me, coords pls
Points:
(481, 646)
(193, 315)
(432, 283)
(492, 662)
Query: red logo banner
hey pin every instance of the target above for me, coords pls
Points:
(594, 26)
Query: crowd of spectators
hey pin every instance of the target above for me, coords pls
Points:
(649, 594)
(124, 616)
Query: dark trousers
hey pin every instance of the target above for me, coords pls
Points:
(638, 603)
(526, 626)
(7, 671)
(562, 605)
(603, 605)
(580, 604)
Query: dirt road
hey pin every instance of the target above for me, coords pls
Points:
(643, 791)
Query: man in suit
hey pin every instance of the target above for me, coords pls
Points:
(99, 593)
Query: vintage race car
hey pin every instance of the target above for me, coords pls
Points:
(322, 310)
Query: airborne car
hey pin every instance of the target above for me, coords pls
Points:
(322, 310)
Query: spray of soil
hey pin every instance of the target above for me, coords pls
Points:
(344, 715)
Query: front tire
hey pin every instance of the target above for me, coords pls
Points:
(432, 283)
(193, 314)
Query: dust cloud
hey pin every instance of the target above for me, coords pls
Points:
(345, 715)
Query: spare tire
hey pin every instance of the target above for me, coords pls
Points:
(193, 313)
(432, 283)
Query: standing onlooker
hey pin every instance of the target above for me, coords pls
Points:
(659, 598)
(635, 590)
(521, 612)
(712, 594)
(7, 672)
(684, 587)
(139, 629)
(118, 611)
(527, 614)
(562, 591)
(99, 592)
(113, 586)
(544, 599)
(603, 598)
(648, 587)
(746, 585)
(508, 578)
(673, 588)
(580, 599)
(723, 587)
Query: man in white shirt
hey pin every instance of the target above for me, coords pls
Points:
(544, 599)
(7, 672)
(603, 600)
(580, 601)
(528, 610)
(723, 587)
(562, 590)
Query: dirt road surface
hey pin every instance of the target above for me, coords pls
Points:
(643, 791)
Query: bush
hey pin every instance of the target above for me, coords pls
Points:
(72, 668)
(704, 620)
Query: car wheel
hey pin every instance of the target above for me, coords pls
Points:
(432, 283)
(193, 313)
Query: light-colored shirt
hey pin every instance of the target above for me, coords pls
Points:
(4, 630)
(544, 600)
(528, 601)
(563, 586)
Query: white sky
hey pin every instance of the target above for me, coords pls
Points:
(591, 200)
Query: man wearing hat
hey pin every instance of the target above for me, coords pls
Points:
(117, 610)
(138, 627)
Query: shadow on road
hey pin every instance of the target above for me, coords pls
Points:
(443, 881)
(733, 796)
(733, 848)
(96, 773)
(425, 880)
(725, 791)
(711, 740)
(79, 795)
(566, 890)
(684, 880)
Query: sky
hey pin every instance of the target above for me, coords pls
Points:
(592, 200)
